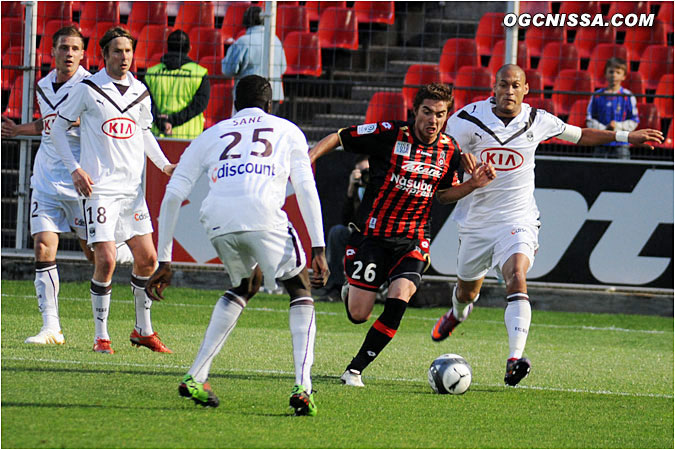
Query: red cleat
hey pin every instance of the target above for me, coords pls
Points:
(445, 325)
(103, 346)
(153, 342)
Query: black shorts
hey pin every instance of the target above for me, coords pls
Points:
(370, 261)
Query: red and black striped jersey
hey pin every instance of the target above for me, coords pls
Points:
(404, 176)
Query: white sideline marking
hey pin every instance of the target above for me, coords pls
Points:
(326, 313)
(283, 372)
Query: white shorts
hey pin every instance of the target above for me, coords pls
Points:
(115, 219)
(279, 254)
(482, 249)
(48, 213)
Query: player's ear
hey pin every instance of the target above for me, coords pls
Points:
(526, 89)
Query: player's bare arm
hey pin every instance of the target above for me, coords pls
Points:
(324, 146)
(11, 129)
(320, 270)
(590, 136)
(482, 175)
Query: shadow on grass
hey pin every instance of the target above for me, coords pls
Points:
(78, 405)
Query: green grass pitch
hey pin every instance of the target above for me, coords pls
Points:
(597, 381)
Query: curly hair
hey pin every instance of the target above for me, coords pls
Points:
(434, 91)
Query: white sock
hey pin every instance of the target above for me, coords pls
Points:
(224, 318)
(461, 310)
(100, 305)
(517, 318)
(47, 290)
(142, 304)
(301, 320)
(124, 254)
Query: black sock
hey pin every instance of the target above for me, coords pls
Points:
(379, 335)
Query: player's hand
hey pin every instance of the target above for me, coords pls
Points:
(483, 175)
(468, 162)
(168, 128)
(169, 168)
(75, 124)
(612, 125)
(320, 270)
(82, 182)
(9, 128)
(640, 137)
(159, 281)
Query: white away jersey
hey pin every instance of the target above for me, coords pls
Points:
(248, 160)
(112, 127)
(510, 149)
(50, 176)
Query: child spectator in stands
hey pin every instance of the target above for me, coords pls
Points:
(613, 112)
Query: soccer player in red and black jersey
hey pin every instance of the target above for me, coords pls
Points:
(409, 164)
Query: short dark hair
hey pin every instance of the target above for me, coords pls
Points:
(178, 42)
(114, 33)
(253, 91)
(616, 63)
(67, 32)
(252, 17)
(434, 91)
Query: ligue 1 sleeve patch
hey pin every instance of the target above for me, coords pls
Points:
(402, 148)
(366, 129)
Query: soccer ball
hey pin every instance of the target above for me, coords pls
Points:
(450, 374)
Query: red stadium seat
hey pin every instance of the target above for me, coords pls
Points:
(46, 42)
(625, 8)
(386, 106)
(146, 13)
(15, 103)
(206, 41)
(220, 104)
(601, 53)
(541, 103)
(656, 61)
(374, 12)
(314, 9)
(639, 38)
(665, 15)
(12, 9)
(94, 12)
(668, 143)
(649, 116)
(469, 77)
(571, 80)
(456, 53)
(49, 11)
(535, 7)
(557, 57)
(535, 82)
(195, 14)
(233, 22)
(633, 83)
(13, 56)
(339, 28)
(303, 54)
(587, 38)
(93, 50)
(665, 105)
(12, 33)
(579, 8)
(214, 65)
(537, 37)
(497, 58)
(578, 111)
(151, 45)
(291, 18)
(416, 76)
(490, 30)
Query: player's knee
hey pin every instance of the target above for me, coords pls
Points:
(516, 280)
(357, 313)
(105, 262)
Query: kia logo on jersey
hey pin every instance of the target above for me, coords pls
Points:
(47, 122)
(502, 158)
(119, 128)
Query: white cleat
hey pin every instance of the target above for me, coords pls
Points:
(352, 377)
(47, 337)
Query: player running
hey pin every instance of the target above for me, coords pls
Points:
(54, 205)
(248, 160)
(114, 109)
(499, 225)
(409, 163)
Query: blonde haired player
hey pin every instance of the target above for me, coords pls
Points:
(114, 109)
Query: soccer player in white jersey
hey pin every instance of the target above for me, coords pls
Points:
(114, 110)
(248, 160)
(498, 225)
(54, 205)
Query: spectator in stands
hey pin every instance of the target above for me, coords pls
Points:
(245, 56)
(339, 234)
(179, 88)
(613, 112)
